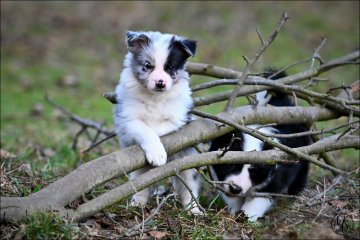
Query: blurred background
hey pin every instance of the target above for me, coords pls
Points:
(74, 51)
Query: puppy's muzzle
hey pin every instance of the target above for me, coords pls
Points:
(236, 189)
(160, 84)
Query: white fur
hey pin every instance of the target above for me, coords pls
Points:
(143, 115)
(260, 96)
(256, 207)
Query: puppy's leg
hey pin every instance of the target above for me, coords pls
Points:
(141, 197)
(138, 131)
(191, 178)
(256, 207)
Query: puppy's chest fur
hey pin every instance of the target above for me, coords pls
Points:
(162, 116)
(164, 112)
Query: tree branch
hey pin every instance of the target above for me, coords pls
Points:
(264, 45)
(267, 140)
(170, 169)
(99, 171)
(230, 75)
(246, 90)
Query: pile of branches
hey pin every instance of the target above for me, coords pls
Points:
(323, 106)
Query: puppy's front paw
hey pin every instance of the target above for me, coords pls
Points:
(155, 154)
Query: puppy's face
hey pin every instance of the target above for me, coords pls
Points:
(237, 173)
(244, 176)
(158, 60)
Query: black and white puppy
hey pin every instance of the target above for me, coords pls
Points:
(288, 177)
(153, 100)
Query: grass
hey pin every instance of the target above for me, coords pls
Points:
(44, 225)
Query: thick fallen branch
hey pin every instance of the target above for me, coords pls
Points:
(172, 168)
(98, 171)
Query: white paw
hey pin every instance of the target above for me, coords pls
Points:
(196, 211)
(138, 201)
(155, 154)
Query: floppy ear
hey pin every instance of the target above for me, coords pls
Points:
(135, 42)
(189, 46)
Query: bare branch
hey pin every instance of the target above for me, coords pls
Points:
(192, 194)
(287, 67)
(320, 195)
(316, 53)
(269, 141)
(308, 133)
(233, 138)
(235, 92)
(137, 226)
(81, 121)
(261, 38)
(97, 144)
(218, 97)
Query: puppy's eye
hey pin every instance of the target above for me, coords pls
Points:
(252, 170)
(148, 65)
(172, 67)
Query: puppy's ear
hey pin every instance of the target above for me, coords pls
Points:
(189, 46)
(136, 42)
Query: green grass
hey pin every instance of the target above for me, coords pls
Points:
(44, 225)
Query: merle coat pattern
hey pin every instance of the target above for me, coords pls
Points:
(154, 98)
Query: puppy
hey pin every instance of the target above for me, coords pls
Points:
(275, 178)
(153, 100)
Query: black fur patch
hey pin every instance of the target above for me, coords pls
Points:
(292, 177)
(177, 58)
(278, 98)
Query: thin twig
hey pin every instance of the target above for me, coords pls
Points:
(293, 64)
(266, 125)
(269, 141)
(74, 145)
(233, 138)
(78, 119)
(98, 143)
(300, 89)
(192, 195)
(336, 88)
(320, 195)
(316, 53)
(110, 218)
(197, 147)
(261, 38)
(295, 98)
(322, 204)
(255, 56)
(345, 132)
(301, 134)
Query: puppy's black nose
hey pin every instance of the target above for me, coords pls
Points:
(160, 84)
(236, 189)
